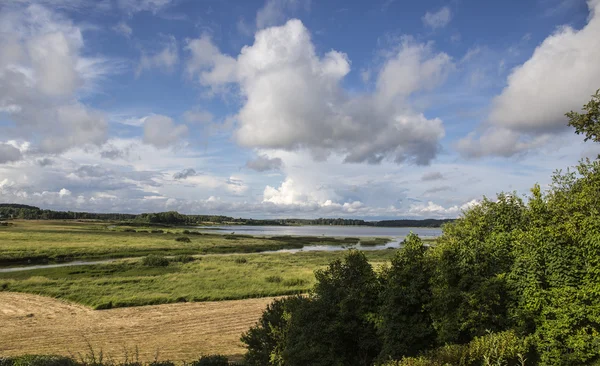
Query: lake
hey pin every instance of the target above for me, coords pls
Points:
(322, 230)
(396, 234)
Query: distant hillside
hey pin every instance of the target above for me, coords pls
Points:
(17, 211)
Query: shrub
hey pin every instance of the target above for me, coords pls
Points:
(154, 260)
(129, 230)
(273, 279)
(37, 360)
(157, 231)
(161, 363)
(241, 260)
(183, 239)
(294, 282)
(186, 232)
(183, 258)
(211, 360)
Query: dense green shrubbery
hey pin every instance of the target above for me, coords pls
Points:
(510, 282)
(183, 239)
(37, 360)
(154, 260)
(211, 360)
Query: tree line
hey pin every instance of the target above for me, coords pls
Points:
(26, 212)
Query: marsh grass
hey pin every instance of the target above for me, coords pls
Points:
(128, 283)
(61, 241)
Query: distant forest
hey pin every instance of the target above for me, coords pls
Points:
(16, 211)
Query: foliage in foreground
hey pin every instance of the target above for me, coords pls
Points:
(99, 360)
(510, 282)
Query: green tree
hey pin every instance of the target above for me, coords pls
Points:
(405, 325)
(587, 123)
(337, 327)
(472, 258)
(265, 340)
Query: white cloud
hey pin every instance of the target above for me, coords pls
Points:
(433, 210)
(438, 19)
(42, 77)
(166, 59)
(161, 132)
(123, 29)
(64, 193)
(208, 63)
(560, 76)
(293, 98)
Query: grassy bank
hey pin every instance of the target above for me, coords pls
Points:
(209, 278)
(59, 241)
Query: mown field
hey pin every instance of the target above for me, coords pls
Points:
(59, 241)
(34, 324)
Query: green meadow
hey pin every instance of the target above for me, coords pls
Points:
(134, 282)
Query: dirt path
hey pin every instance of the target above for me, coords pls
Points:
(184, 331)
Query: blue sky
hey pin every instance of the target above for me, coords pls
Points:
(290, 108)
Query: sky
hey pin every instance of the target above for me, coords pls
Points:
(290, 108)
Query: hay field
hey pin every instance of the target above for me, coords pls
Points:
(183, 331)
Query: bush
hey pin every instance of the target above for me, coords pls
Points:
(241, 260)
(183, 239)
(503, 348)
(157, 231)
(183, 258)
(211, 360)
(37, 360)
(129, 230)
(273, 279)
(154, 260)
(294, 282)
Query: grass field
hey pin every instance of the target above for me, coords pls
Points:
(57, 241)
(180, 332)
(209, 278)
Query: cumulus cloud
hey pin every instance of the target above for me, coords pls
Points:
(9, 153)
(274, 11)
(438, 19)
(263, 163)
(165, 59)
(185, 173)
(293, 98)
(123, 29)
(560, 76)
(433, 210)
(42, 74)
(161, 132)
(208, 63)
